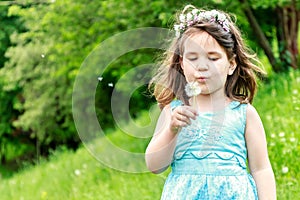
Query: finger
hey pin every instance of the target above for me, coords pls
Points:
(187, 111)
(183, 123)
(192, 110)
(183, 119)
(179, 119)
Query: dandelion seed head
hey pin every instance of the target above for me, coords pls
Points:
(192, 89)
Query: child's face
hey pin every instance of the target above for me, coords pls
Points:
(206, 62)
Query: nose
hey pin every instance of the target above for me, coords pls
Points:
(201, 63)
(201, 66)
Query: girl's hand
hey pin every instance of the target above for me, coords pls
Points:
(181, 117)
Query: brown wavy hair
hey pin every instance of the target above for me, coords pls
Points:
(169, 81)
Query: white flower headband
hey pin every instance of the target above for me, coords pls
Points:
(196, 16)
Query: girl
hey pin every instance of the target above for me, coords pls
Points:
(209, 133)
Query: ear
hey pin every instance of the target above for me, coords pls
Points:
(232, 66)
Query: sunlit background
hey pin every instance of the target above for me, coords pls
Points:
(43, 46)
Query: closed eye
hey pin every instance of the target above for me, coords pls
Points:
(213, 58)
(192, 59)
(191, 56)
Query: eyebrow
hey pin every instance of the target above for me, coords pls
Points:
(208, 53)
(191, 53)
(214, 53)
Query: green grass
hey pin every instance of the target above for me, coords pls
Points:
(278, 103)
(79, 175)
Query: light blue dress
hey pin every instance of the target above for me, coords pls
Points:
(209, 161)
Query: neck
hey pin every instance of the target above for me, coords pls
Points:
(211, 103)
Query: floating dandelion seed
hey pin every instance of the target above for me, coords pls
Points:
(110, 85)
(100, 78)
(43, 55)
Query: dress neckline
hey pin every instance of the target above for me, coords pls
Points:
(230, 106)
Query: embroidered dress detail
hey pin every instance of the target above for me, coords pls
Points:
(209, 162)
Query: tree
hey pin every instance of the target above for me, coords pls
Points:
(285, 16)
(8, 134)
(44, 60)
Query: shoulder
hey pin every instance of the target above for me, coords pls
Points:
(164, 118)
(167, 110)
(251, 112)
(248, 109)
(254, 124)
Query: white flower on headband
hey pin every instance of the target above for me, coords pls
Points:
(213, 13)
(221, 17)
(196, 16)
(182, 18)
(195, 11)
(192, 89)
(189, 17)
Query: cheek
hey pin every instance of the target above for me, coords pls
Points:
(186, 67)
(188, 73)
(222, 67)
(220, 73)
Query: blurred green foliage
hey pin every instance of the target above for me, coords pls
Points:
(43, 45)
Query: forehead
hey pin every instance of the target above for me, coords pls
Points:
(202, 42)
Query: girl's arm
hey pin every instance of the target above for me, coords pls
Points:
(259, 163)
(159, 153)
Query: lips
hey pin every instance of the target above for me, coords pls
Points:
(202, 79)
